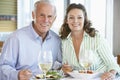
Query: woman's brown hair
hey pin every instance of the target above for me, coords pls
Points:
(65, 30)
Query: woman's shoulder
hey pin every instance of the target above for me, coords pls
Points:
(66, 41)
(97, 34)
(99, 37)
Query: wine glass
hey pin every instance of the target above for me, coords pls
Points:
(45, 61)
(86, 59)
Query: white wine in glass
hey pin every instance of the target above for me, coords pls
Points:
(45, 66)
(45, 61)
(86, 59)
(85, 64)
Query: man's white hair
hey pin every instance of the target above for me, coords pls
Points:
(51, 2)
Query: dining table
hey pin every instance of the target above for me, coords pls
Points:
(73, 78)
(97, 78)
(69, 78)
(75, 75)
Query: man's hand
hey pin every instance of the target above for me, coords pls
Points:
(24, 75)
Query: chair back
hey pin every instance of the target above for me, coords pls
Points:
(118, 59)
(1, 44)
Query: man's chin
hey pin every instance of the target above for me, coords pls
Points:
(45, 31)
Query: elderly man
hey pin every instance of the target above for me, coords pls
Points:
(19, 58)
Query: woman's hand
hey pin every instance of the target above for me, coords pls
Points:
(24, 75)
(108, 75)
(66, 68)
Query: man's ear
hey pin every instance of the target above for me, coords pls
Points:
(33, 15)
(54, 18)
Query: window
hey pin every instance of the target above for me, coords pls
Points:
(77, 1)
(60, 14)
(8, 18)
(97, 15)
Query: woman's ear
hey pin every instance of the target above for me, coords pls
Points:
(66, 22)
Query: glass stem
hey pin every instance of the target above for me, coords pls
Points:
(85, 70)
(44, 75)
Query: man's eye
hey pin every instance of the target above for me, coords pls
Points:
(50, 16)
(79, 17)
(41, 15)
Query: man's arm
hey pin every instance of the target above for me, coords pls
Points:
(8, 60)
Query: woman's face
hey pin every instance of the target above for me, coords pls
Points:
(75, 19)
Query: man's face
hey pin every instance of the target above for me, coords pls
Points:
(43, 17)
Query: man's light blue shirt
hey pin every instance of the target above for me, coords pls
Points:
(21, 50)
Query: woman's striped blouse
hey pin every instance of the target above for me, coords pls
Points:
(103, 58)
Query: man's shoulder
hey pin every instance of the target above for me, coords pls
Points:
(54, 34)
(23, 29)
(19, 32)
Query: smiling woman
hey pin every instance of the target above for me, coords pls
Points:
(96, 9)
(88, 40)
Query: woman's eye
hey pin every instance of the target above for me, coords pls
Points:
(71, 17)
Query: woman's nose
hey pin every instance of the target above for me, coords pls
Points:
(76, 20)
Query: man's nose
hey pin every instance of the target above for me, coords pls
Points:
(46, 19)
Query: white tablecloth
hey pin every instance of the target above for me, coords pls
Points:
(79, 76)
(68, 78)
(88, 77)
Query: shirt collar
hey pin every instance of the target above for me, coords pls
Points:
(84, 35)
(49, 34)
(36, 36)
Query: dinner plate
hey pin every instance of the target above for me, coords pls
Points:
(34, 78)
(52, 79)
(76, 74)
(50, 75)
